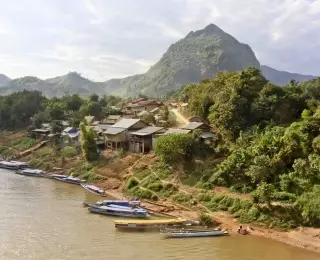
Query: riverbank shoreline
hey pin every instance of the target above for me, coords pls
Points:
(302, 237)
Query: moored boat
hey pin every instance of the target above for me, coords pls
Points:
(124, 203)
(93, 189)
(70, 179)
(192, 233)
(150, 224)
(32, 172)
(13, 165)
(120, 212)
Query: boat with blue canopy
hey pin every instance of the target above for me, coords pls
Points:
(124, 203)
(120, 212)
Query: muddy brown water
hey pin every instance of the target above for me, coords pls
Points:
(42, 219)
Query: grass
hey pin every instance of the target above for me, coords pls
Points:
(69, 152)
(4, 151)
(24, 143)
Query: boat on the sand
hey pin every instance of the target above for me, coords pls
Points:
(124, 203)
(156, 224)
(32, 172)
(70, 179)
(93, 189)
(120, 212)
(182, 233)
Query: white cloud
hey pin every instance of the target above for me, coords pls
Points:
(106, 39)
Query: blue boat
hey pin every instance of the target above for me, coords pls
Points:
(124, 203)
(120, 212)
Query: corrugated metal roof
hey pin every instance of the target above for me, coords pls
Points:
(207, 135)
(104, 126)
(177, 131)
(114, 130)
(147, 130)
(144, 112)
(155, 109)
(113, 117)
(192, 125)
(68, 129)
(126, 123)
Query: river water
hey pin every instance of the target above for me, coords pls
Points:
(42, 219)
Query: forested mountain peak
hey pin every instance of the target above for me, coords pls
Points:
(4, 79)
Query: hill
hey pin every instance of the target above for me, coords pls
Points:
(58, 86)
(4, 79)
(197, 56)
(283, 77)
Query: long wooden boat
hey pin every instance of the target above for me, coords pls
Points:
(70, 179)
(150, 224)
(193, 233)
(93, 189)
(125, 203)
(120, 212)
(13, 165)
(32, 172)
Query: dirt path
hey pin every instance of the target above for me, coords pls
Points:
(180, 118)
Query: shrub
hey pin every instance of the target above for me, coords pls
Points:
(140, 192)
(205, 197)
(207, 220)
(236, 205)
(157, 186)
(204, 185)
(132, 182)
(69, 152)
(169, 189)
(182, 197)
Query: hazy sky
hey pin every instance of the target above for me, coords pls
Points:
(103, 39)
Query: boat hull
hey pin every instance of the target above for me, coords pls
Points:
(68, 181)
(30, 174)
(129, 204)
(92, 191)
(116, 214)
(189, 234)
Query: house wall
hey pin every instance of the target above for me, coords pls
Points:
(121, 137)
(138, 144)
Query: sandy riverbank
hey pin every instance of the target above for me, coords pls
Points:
(306, 238)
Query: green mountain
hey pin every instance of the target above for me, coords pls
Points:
(58, 86)
(199, 55)
(283, 77)
(4, 79)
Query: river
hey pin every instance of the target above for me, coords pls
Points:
(44, 219)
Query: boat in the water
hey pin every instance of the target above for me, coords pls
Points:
(184, 233)
(124, 203)
(156, 224)
(70, 179)
(53, 175)
(13, 165)
(120, 212)
(32, 172)
(93, 189)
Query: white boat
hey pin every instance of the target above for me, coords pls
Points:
(70, 179)
(193, 233)
(93, 189)
(13, 165)
(31, 172)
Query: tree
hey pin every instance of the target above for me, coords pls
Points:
(56, 127)
(73, 102)
(94, 98)
(91, 108)
(264, 193)
(176, 147)
(88, 143)
(149, 118)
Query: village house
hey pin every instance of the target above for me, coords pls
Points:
(142, 141)
(205, 135)
(117, 136)
(71, 136)
(144, 105)
(111, 119)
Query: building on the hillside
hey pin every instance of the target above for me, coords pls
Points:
(46, 126)
(40, 133)
(155, 111)
(177, 131)
(71, 136)
(197, 125)
(144, 105)
(117, 136)
(142, 141)
(195, 119)
(111, 119)
(65, 123)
